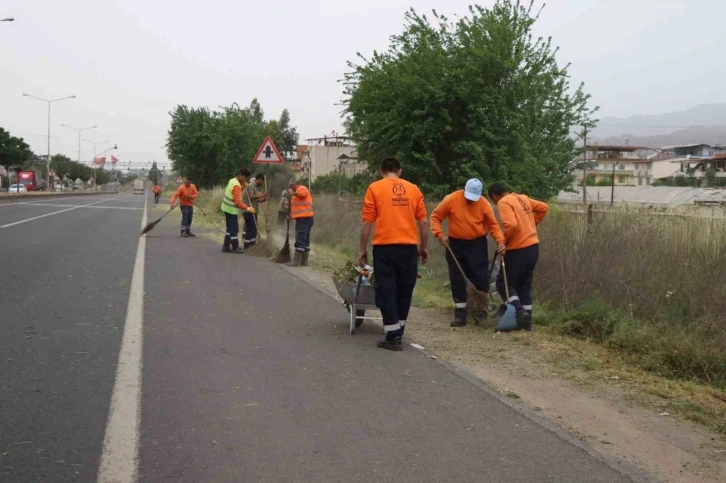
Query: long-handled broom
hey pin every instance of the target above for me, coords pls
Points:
(284, 255)
(259, 248)
(150, 226)
(474, 303)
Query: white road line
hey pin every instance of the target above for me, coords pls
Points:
(119, 459)
(54, 199)
(53, 213)
(91, 207)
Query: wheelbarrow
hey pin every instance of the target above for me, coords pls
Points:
(358, 297)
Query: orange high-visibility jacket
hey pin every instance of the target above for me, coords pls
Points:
(468, 220)
(394, 205)
(187, 195)
(302, 204)
(520, 216)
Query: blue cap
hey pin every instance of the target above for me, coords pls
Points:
(472, 191)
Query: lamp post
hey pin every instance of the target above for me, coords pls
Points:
(94, 162)
(93, 159)
(79, 136)
(51, 101)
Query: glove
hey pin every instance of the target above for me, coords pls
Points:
(251, 210)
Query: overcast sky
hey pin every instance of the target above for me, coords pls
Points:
(131, 61)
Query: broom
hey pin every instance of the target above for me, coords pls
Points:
(284, 255)
(260, 248)
(150, 226)
(475, 305)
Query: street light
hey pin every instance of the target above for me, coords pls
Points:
(115, 146)
(49, 103)
(79, 136)
(93, 159)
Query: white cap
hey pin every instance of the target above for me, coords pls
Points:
(472, 191)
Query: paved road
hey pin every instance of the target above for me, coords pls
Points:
(248, 372)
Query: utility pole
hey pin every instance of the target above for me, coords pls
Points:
(584, 167)
(612, 191)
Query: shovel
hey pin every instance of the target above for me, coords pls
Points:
(508, 320)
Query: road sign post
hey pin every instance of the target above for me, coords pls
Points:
(268, 154)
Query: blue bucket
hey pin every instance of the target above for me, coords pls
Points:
(508, 321)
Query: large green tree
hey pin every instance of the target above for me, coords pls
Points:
(210, 146)
(14, 152)
(479, 97)
(154, 173)
(62, 165)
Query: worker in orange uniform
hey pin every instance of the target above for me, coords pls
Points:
(301, 210)
(186, 193)
(470, 216)
(520, 216)
(157, 193)
(396, 208)
(232, 206)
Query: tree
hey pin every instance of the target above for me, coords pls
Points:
(154, 173)
(479, 97)
(62, 165)
(210, 146)
(288, 135)
(14, 152)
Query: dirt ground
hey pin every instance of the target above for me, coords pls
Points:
(604, 414)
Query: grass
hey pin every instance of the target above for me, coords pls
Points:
(650, 287)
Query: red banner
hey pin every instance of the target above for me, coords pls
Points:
(101, 160)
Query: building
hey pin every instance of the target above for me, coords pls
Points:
(330, 154)
(694, 150)
(699, 168)
(605, 163)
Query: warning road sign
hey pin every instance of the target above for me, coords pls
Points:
(268, 153)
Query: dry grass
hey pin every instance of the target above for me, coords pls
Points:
(648, 286)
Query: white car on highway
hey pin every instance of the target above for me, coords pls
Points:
(17, 188)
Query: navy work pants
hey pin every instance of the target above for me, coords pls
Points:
(395, 268)
(473, 257)
(231, 236)
(250, 229)
(303, 226)
(187, 214)
(520, 265)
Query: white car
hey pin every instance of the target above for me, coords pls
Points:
(17, 188)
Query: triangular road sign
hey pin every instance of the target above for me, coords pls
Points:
(268, 153)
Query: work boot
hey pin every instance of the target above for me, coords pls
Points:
(296, 260)
(184, 234)
(524, 321)
(459, 318)
(394, 344)
(226, 250)
(191, 234)
(238, 251)
(304, 259)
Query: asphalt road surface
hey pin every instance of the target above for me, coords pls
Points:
(161, 359)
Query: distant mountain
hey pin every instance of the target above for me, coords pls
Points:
(705, 123)
(691, 135)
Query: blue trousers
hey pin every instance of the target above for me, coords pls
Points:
(520, 272)
(303, 226)
(187, 214)
(231, 236)
(395, 268)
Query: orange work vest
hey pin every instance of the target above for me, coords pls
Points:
(302, 206)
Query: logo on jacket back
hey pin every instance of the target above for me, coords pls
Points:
(399, 195)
